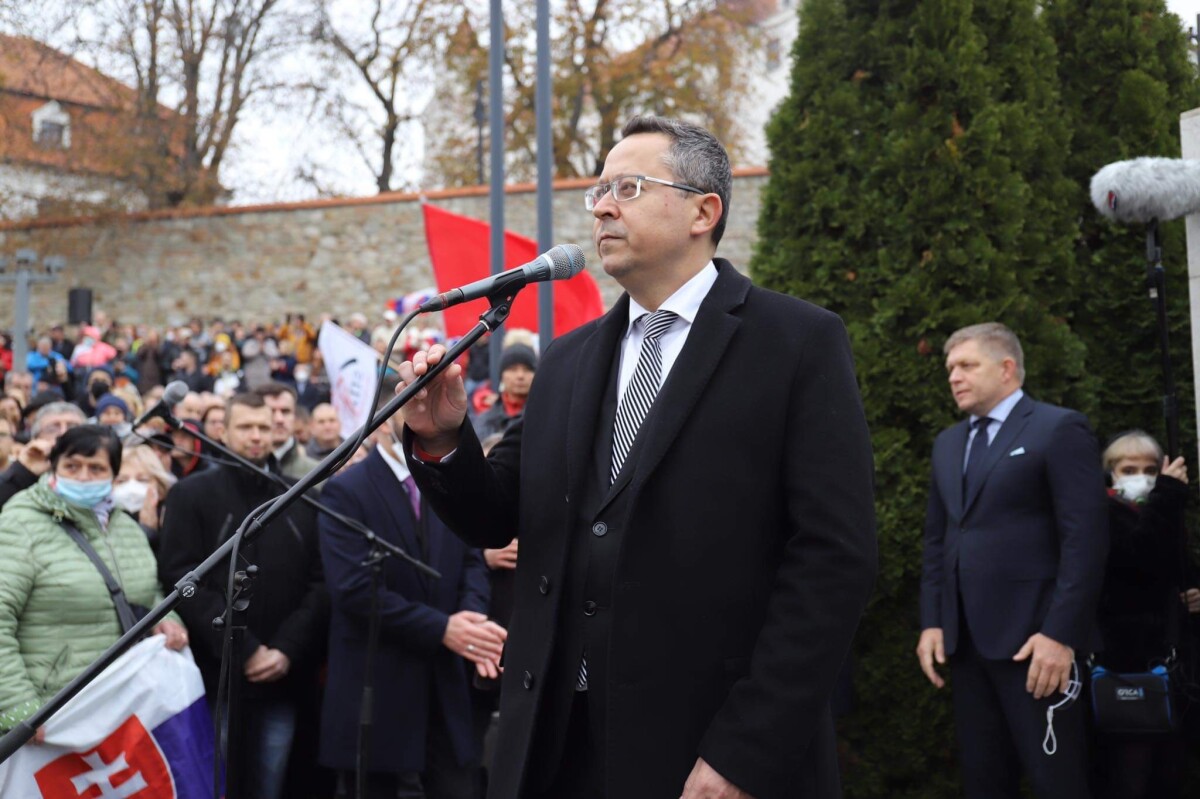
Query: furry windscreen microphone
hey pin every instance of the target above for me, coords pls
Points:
(1144, 189)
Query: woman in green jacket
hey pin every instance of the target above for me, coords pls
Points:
(56, 614)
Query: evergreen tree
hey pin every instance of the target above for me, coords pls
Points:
(917, 187)
(1125, 78)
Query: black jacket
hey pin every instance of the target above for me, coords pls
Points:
(746, 555)
(1140, 608)
(289, 608)
(13, 479)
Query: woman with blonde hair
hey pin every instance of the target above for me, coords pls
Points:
(140, 489)
(1141, 610)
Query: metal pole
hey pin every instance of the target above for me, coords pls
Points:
(480, 118)
(22, 278)
(545, 169)
(496, 109)
(21, 321)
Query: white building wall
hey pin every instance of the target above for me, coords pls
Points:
(22, 187)
(769, 81)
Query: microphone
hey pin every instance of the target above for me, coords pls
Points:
(1147, 189)
(174, 393)
(559, 263)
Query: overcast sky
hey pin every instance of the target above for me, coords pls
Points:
(262, 168)
(271, 144)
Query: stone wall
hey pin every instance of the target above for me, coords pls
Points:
(259, 263)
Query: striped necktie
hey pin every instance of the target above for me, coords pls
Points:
(642, 389)
(631, 412)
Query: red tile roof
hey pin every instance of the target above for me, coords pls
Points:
(32, 68)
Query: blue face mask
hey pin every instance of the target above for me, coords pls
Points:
(85, 495)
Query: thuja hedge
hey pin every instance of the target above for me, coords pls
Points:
(922, 179)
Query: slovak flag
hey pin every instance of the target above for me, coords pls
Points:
(140, 731)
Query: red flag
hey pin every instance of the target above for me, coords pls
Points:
(459, 247)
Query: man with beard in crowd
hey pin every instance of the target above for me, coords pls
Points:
(289, 609)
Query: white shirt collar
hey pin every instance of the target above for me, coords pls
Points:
(398, 466)
(285, 448)
(685, 302)
(1003, 408)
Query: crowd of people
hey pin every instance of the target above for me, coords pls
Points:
(144, 501)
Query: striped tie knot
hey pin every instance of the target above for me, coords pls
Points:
(656, 323)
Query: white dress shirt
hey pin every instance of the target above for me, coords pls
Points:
(997, 415)
(684, 303)
(398, 465)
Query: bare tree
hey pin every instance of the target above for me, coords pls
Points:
(612, 59)
(394, 56)
(195, 66)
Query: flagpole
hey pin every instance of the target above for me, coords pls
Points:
(545, 169)
(496, 194)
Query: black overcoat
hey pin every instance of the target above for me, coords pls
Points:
(748, 548)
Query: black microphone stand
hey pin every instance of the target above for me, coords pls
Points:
(380, 550)
(1156, 285)
(185, 588)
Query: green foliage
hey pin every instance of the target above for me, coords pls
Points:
(925, 176)
(1125, 78)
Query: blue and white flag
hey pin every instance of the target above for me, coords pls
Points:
(140, 731)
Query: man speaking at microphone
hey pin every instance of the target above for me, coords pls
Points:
(691, 484)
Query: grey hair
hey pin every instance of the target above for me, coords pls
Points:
(51, 408)
(696, 158)
(996, 340)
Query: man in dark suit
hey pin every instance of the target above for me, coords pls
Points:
(289, 608)
(1016, 535)
(422, 743)
(692, 487)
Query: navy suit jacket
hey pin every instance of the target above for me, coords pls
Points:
(415, 675)
(1025, 550)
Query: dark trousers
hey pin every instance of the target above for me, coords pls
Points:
(1149, 767)
(1001, 728)
(578, 775)
(443, 777)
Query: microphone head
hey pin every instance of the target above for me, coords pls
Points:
(1143, 189)
(174, 393)
(566, 261)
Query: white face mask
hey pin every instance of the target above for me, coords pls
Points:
(1133, 487)
(130, 495)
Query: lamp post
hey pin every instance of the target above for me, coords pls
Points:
(25, 275)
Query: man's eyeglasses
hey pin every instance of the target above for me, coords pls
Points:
(627, 187)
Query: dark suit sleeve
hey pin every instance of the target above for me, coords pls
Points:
(827, 568)
(1081, 517)
(416, 625)
(183, 545)
(474, 588)
(302, 633)
(933, 558)
(475, 496)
